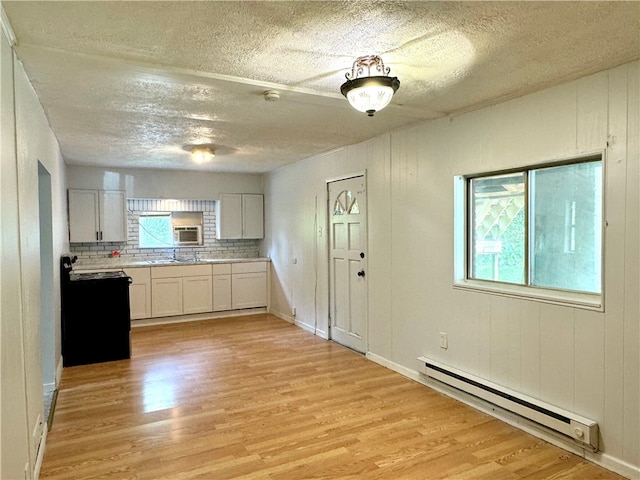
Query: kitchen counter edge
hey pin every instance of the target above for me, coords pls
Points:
(119, 263)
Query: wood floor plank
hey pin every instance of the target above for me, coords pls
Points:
(257, 398)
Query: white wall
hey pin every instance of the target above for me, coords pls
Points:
(163, 184)
(36, 143)
(583, 361)
(26, 140)
(14, 447)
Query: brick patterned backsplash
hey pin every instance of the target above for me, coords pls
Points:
(212, 248)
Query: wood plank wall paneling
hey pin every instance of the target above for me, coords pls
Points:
(631, 345)
(578, 359)
(589, 373)
(257, 398)
(530, 349)
(379, 245)
(591, 115)
(557, 355)
(615, 211)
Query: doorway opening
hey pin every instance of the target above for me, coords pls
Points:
(47, 292)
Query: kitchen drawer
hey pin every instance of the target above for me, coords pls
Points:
(171, 271)
(248, 267)
(221, 268)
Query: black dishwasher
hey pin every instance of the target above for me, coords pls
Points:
(96, 322)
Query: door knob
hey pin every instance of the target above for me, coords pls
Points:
(361, 273)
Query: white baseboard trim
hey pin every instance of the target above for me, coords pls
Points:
(59, 371)
(407, 372)
(322, 334)
(40, 455)
(299, 323)
(614, 464)
(144, 322)
(311, 329)
(602, 459)
(305, 326)
(282, 316)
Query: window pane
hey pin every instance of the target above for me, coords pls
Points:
(155, 231)
(498, 227)
(566, 238)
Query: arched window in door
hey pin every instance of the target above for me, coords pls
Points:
(347, 203)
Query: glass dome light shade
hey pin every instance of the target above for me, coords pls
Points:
(370, 94)
(202, 155)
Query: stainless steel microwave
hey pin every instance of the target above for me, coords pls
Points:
(187, 235)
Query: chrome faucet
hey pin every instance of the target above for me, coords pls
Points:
(174, 255)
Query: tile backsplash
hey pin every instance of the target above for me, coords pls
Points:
(212, 248)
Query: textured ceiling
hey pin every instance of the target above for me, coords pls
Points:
(136, 84)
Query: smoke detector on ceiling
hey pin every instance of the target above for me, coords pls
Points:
(271, 96)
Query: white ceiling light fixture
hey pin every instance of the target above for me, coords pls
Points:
(202, 154)
(370, 93)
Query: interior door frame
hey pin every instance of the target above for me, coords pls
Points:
(328, 181)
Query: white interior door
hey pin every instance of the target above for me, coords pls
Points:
(347, 256)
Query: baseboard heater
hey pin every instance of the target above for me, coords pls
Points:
(580, 429)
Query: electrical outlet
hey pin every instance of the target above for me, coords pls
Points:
(444, 343)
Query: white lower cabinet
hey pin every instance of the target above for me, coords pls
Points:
(139, 292)
(248, 285)
(174, 290)
(180, 289)
(197, 294)
(221, 287)
(167, 297)
(186, 289)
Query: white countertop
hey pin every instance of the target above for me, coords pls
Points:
(109, 263)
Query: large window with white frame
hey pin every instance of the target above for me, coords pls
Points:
(535, 231)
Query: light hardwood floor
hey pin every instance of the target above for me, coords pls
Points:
(257, 398)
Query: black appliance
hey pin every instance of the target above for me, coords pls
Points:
(96, 322)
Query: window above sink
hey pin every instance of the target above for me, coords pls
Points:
(170, 229)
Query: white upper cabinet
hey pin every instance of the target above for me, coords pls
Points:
(252, 216)
(240, 216)
(229, 216)
(97, 216)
